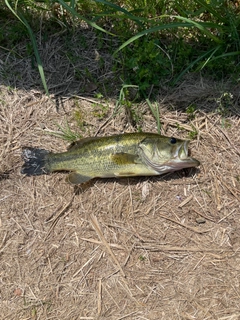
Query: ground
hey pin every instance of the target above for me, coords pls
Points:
(135, 248)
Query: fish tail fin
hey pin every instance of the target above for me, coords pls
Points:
(35, 161)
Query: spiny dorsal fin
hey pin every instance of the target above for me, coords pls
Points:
(78, 144)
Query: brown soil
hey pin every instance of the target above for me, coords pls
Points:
(141, 248)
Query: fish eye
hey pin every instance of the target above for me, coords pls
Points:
(173, 140)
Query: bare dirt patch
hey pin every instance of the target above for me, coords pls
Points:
(158, 248)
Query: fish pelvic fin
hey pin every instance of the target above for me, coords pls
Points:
(77, 178)
(35, 161)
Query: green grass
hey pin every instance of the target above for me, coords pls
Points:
(159, 41)
(65, 133)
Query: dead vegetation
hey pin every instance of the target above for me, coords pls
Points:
(159, 248)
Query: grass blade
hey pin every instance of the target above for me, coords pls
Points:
(200, 26)
(72, 4)
(151, 30)
(75, 14)
(120, 9)
(155, 112)
(187, 24)
(65, 133)
(210, 52)
(229, 54)
(210, 9)
(34, 44)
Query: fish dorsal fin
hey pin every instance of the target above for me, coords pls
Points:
(123, 158)
(77, 144)
(77, 178)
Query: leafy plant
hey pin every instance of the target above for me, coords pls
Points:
(212, 37)
(145, 64)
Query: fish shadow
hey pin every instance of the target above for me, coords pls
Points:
(133, 181)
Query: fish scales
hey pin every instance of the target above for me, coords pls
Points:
(96, 156)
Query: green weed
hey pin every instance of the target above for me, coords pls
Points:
(142, 258)
(65, 133)
(78, 117)
(191, 111)
(225, 103)
(144, 64)
(193, 134)
(100, 110)
(155, 112)
(127, 96)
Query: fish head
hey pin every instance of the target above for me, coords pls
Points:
(164, 154)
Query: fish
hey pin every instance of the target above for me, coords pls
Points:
(121, 155)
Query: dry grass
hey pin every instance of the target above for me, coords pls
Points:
(158, 248)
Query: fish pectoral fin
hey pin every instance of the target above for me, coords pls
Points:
(77, 178)
(123, 158)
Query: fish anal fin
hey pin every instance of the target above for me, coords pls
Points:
(123, 158)
(77, 178)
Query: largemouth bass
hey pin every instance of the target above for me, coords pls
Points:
(125, 155)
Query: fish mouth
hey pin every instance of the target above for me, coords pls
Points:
(182, 155)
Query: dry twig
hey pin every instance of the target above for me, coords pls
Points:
(98, 230)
